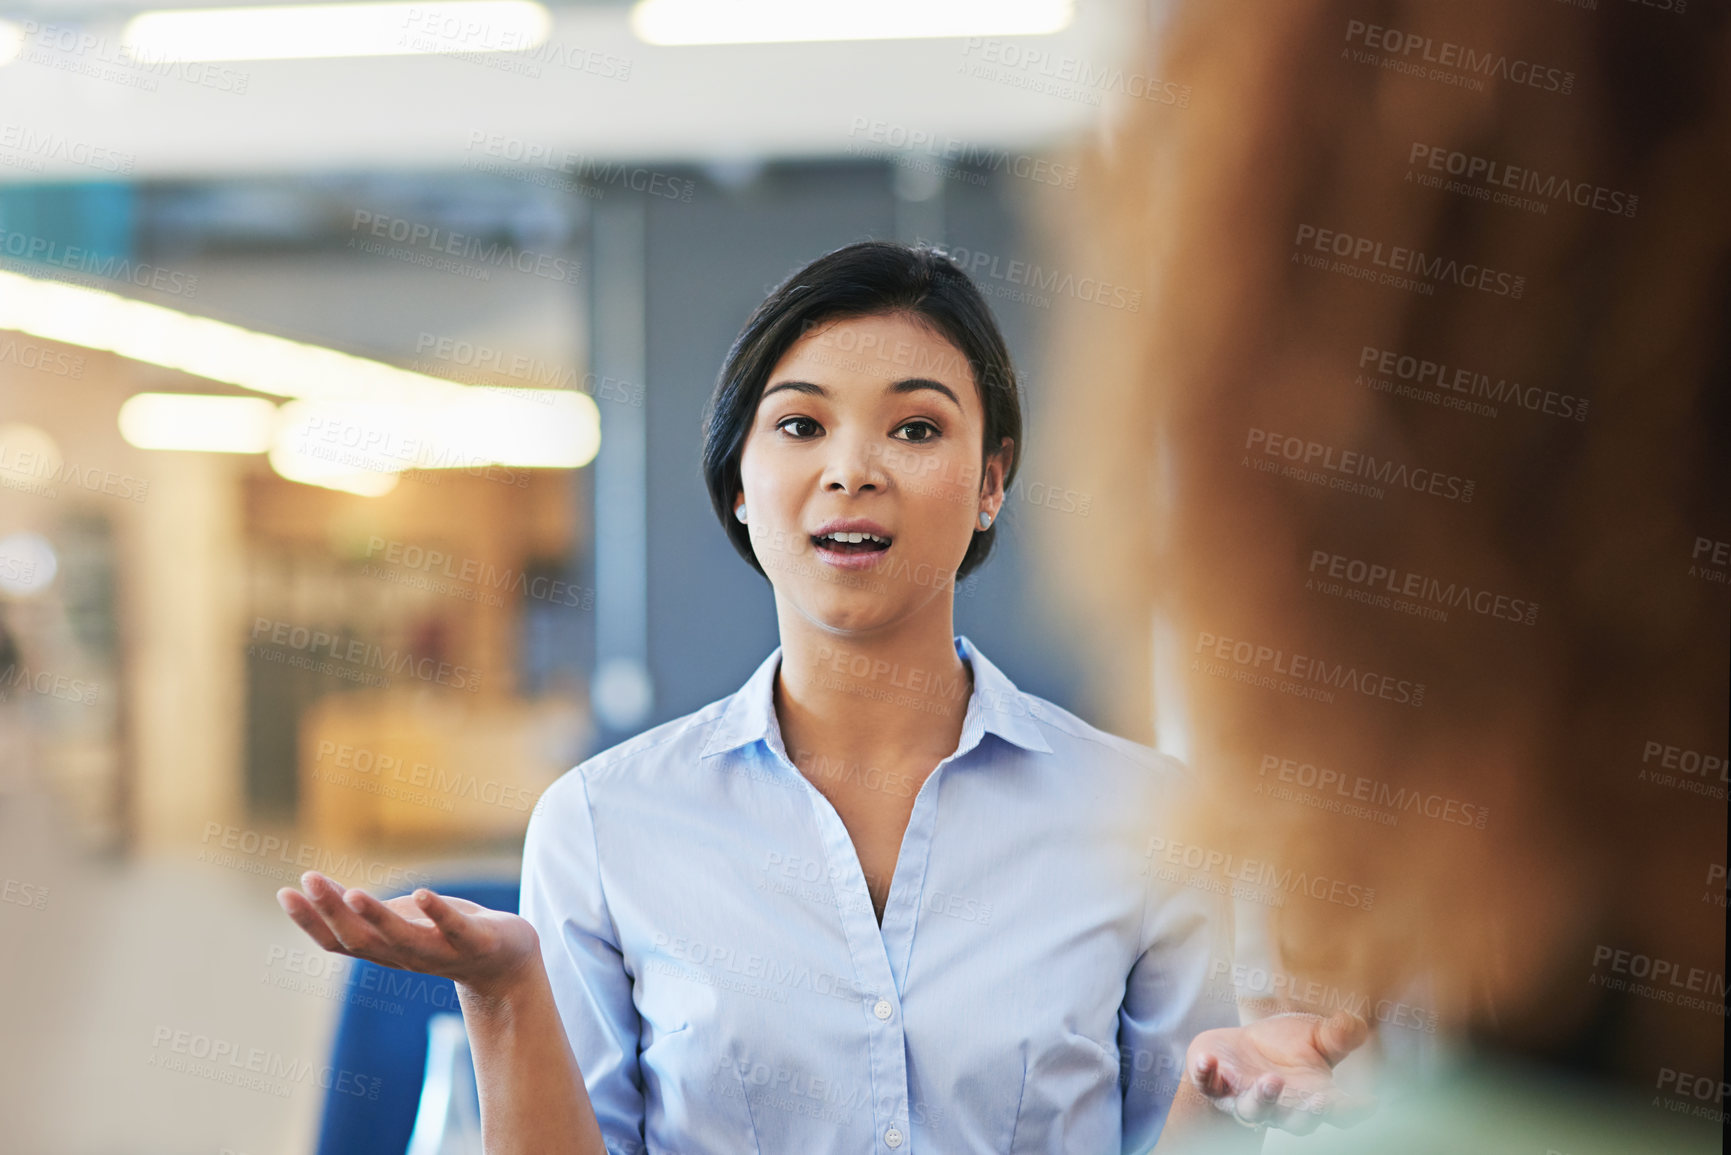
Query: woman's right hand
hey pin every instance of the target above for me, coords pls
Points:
(484, 950)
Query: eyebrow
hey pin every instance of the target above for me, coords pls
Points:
(907, 385)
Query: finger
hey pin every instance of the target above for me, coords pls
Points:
(1260, 1101)
(353, 931)
(314, 884)
(451, 922)
(391, 926)
(1302, 1112)
(1205, 1073)
(1303, 1116)
(308, 919)
(461, 905)
(1338, 1036)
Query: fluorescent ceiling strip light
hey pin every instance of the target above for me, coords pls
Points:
(416, 421)
(11, 41)
(202, 422)
(544, 429)
(310, 469)
(683, 22)
(216, 350)
(319, 31)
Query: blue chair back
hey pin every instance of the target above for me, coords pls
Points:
(382, 1035)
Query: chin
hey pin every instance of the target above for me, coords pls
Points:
(852, 609)
(866, 613)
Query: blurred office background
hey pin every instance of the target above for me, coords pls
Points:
(363, 644)
(346, 582)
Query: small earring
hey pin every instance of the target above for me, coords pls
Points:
(985, 520)
(740, 513)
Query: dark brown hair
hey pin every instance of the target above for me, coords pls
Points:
(860, 280)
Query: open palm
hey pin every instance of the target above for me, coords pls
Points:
(1280, 1070)
(424, 931)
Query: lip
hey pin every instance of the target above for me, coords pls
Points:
(852, 560)
(852, 525)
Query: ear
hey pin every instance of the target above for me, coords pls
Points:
(997, 467)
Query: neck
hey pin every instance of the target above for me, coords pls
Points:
(885, 697)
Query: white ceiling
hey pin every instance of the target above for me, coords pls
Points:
(77, 115)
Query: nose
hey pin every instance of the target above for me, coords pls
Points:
(852, 467)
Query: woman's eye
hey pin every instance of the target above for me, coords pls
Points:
(921, 431)
(800, 427)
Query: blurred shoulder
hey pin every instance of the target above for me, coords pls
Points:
(1078, 740)
(641, 759)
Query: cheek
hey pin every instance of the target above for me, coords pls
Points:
(763, 477)
(950, 483)
(942, 505)
(775, 491)
(780, 495)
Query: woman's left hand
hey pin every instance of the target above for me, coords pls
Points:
(1279, 1071)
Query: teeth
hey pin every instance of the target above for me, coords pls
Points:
(856, 538)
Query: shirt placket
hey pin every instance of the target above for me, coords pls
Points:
(880, 955)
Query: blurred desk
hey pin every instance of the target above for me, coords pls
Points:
(418, 767)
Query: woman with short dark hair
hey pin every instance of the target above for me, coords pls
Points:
(879, 898)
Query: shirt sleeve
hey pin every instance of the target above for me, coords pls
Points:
(1168, 1001)
(562, 897)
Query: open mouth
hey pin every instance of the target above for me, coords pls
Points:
(849, 544)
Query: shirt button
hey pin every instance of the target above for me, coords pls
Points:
(893, 1137)
(883, 1010)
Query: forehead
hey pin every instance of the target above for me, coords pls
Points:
(881, 348)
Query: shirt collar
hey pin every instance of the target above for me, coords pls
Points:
(995, 706)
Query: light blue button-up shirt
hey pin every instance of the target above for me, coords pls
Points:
(726, 988)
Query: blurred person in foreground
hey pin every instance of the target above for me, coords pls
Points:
(1413, 468)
